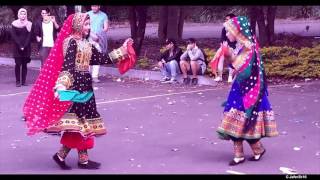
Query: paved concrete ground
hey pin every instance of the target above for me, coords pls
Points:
(155, 129)
(112, 70)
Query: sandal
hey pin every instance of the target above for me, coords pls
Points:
(253, 158)
(233, 162)
(62, 164)
(89, 165)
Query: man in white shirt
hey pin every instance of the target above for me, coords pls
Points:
(99, 25)
(192, 61)
(46, 32)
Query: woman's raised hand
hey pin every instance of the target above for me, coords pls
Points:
(128, 41)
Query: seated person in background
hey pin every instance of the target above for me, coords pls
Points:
(218, 60)
(169, 62)
(195, 65)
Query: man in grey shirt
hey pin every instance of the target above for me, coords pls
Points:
(192, 61)
(99, 25)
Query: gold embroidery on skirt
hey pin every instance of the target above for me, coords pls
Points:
(233, 124)
(87, 127)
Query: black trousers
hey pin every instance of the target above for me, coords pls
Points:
(44, 52)
(21, 69)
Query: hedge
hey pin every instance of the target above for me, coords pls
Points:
(291, 62)
(283, 62)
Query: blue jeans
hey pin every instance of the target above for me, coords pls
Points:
(170, 69)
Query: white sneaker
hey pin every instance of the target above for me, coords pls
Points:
(171, 81)
(218, 78)
(230, 79)
(165, 79)
(96, 80)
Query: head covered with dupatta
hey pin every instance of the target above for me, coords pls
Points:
(22, 20)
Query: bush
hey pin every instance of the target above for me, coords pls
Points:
(285, 62)
(274, 53)
(279, 62)
(294, 63)
(143, 63)
(295, 41)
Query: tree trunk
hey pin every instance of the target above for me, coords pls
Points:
(266, 31)
(163, 22)
(262, 30)
(253, 18)
(259, 14)
(142, 18)
(181, 21)
(133, 22)
(271, 15)
(173, 22)
(138, 14)
(70, 10)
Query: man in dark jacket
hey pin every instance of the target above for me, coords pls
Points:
(169, 62)
(46, 32)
